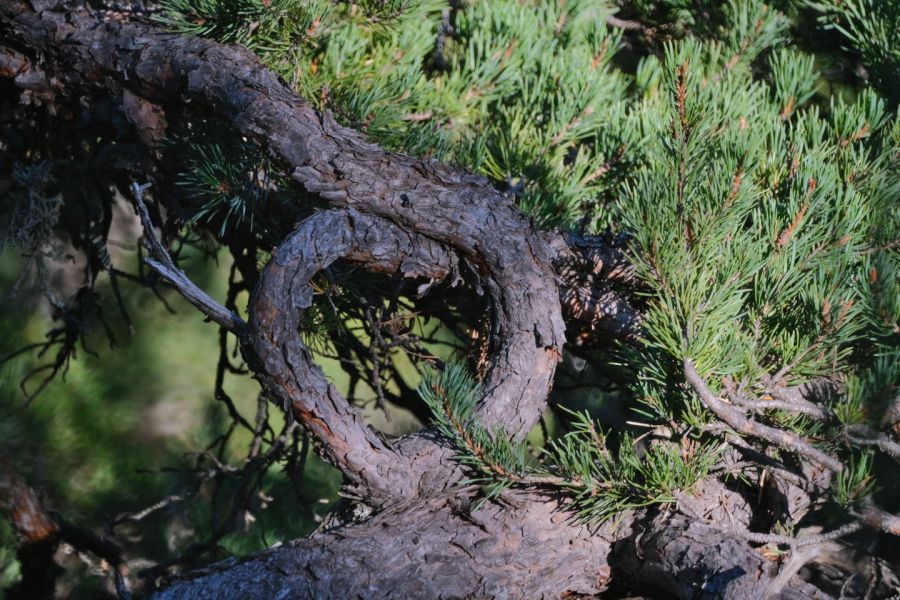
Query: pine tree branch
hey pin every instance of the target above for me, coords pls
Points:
(735, 419)
(627, 25)
(862, 435)
(473, 448)
(759, 406)
(323, 156)
(374, 469)
(880, 519)
(789, 399)
(458, 210)
(796, 542)
(461, 210)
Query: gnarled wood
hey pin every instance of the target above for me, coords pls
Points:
(436, 548)
(441, 547)
(418, 218)
(374, 470)
(460, 210)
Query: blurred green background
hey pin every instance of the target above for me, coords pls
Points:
(90, 443)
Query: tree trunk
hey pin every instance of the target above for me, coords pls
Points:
(419, 219)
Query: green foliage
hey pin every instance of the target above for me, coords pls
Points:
(228, 187)
(763, 214)
(871, 28)
(601, 483)
(524, 93)
(763, 217)
(497, 461)
(275, 29)
(855, 482)
(755, 238)
(869, 392)
(605, 483)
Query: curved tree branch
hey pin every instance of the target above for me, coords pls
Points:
(285, 367)
(458, 209)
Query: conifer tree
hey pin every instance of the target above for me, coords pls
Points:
(685, 211)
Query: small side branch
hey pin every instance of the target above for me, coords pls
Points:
(879, 519)
(758, 406)
(736, 419)
(284, 364)
(627, 24)
(861, 435)
(777, 398)
(163, 264)
(797, 542)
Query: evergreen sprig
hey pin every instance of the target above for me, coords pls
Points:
(604, 482)
(497, 461)
(872, 29)
(228, 186)
(600, 482)
(268, 27)
(855, 483)
(755, 243)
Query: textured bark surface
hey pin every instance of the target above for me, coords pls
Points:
(430, 549)
(422, 220)
(459, 209)
(529, 548)
(373, 468)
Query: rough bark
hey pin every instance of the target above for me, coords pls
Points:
(460, 209)
(429, 549)
(420, 219)
(529, 548)
(374, 469)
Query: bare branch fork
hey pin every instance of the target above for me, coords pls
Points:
(734, 418)
(161, 261)
(866, 436)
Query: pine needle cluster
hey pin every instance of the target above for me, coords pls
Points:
(496, 461)
(600, 482)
